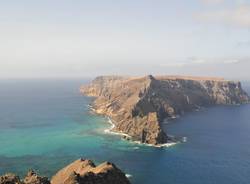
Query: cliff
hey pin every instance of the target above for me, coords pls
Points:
(138, 105)
(81, 172)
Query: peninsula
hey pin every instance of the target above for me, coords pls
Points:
(138, 105)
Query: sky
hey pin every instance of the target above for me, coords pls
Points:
(78, 38)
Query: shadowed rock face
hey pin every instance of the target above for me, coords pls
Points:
(79, 172)
(139, 105)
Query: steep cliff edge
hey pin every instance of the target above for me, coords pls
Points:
(138, 105)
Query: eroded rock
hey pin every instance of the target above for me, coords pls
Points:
(86, 172)
(10, 178)
(138, 105)
(33, 178)
(79, 172)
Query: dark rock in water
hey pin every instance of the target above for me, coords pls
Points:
(10, 179)
(33, 178)
(79, 172)
(84, 171)
(138, 105)
(126, 138)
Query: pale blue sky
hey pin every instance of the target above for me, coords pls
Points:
(77, 38)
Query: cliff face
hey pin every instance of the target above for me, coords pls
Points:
(139, 105)
(79, 172)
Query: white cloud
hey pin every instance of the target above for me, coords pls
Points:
(212, 1)
(176, 64)
(229, 68)
(238, 16)
(244, 43)
(231, 61)
(194, 60)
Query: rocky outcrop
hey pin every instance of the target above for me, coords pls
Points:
(138, 105)
(86, 172)
(10, 178)
(31, 178)
(79, 172)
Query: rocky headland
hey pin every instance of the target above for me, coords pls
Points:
(137, 106)
(79, 172)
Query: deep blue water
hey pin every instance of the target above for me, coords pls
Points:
(45, 124)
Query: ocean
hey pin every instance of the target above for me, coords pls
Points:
(46, 124)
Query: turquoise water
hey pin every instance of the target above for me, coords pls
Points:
(46, 124)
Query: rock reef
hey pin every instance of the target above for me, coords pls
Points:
(79, 172)
(139, 105)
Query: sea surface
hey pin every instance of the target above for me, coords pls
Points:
(46, 124)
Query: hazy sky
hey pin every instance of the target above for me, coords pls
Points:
(77, 38)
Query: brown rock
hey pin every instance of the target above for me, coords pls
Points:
(85, 172)
(33, 178)
(138, 105)
(10, 179)
(79, 172)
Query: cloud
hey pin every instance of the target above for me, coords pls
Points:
(238, 16)
(231, 61)
(229, 68)
(176, 64)
(244, 43)
(212, 2)
(197, 61)
(188, 61)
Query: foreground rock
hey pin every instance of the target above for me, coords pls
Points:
(31, 178)
(79, 172)
(10, 178)
(84, 171)
(138, 106)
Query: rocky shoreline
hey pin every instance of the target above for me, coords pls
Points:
(112, 130)
(81, 171)
(138, 106)
(129, 138)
